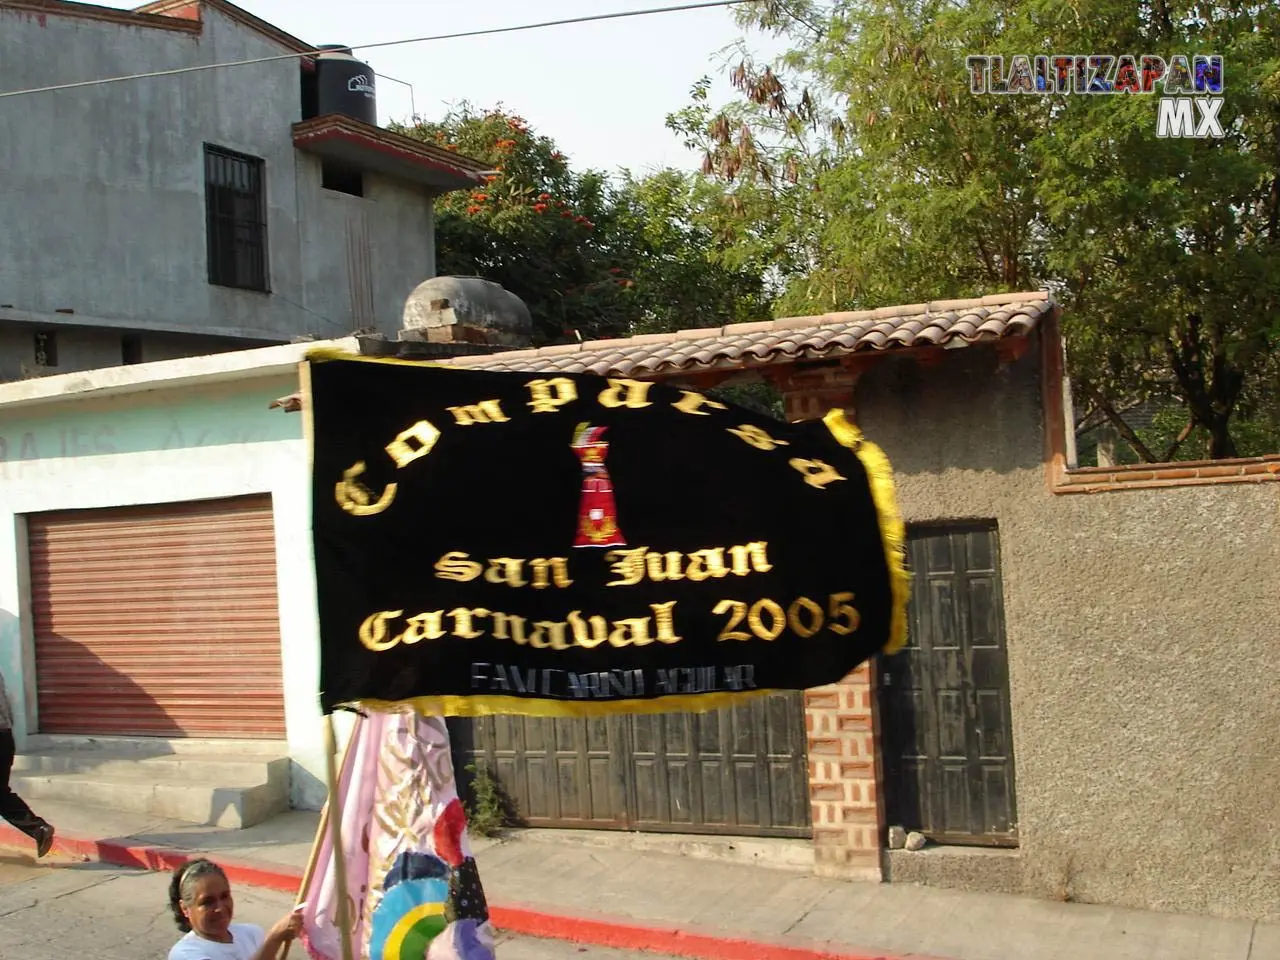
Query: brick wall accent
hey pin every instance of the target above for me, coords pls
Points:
(840, 721)
(844, 788)
(808, 393)
(1142, 476)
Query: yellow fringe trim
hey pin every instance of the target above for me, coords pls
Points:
(892, 530)
(450, 705)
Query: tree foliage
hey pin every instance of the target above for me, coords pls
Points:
(862, 164)
(592, 256)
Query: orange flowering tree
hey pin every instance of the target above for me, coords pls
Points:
(592, 256)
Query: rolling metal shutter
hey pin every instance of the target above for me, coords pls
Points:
(158, 621)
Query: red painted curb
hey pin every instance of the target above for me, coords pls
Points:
(619, 934)
(159, 859)
(666, 940)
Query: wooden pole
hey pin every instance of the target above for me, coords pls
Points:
(331, 815)
(335, 834)
(312, 859)
(322, 828)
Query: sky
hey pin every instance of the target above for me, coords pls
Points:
(601, 90)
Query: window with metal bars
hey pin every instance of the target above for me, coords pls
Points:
(46, 348)
(236, 219)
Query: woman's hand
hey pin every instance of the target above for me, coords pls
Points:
(280, 935)
(286, 928)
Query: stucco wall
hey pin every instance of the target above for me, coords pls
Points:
(107, 184)
(165, 446)
(1143, 634)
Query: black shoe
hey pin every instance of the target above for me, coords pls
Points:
(44, 840)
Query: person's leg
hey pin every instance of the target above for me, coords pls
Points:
(12, 807)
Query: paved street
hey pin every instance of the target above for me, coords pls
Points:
(67, 909)
(17, 867)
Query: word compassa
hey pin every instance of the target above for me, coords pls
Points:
(547, 397)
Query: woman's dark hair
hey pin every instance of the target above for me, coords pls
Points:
(182, 888)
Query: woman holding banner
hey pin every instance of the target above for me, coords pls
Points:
(200, 897)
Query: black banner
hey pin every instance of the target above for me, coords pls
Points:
(574, 545)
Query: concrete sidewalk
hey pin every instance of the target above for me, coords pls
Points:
(603, 891)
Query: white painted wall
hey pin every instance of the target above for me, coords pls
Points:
(191, 442)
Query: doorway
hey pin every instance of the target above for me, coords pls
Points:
(944, 699)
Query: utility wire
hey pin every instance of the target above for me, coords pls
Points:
(490, 31)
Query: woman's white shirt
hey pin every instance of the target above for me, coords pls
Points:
(246, 940)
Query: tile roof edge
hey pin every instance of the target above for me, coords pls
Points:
(787, 324)
(338, 122)
(676, 337)
(823, 319)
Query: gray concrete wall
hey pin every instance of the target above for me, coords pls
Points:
(103, 193)
(81, 348)
(362, 253)
(1143, 632)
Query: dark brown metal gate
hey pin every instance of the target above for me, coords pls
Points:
(944, 700)
(741, 771)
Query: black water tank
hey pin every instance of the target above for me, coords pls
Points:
(345, 85)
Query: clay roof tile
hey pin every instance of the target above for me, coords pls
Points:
(947, 323)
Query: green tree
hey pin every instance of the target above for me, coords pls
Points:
(592, 256)
(669, 230)
(897, 184)
(530, 227)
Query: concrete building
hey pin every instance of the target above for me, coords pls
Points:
(1084, 710)
(187, 214)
